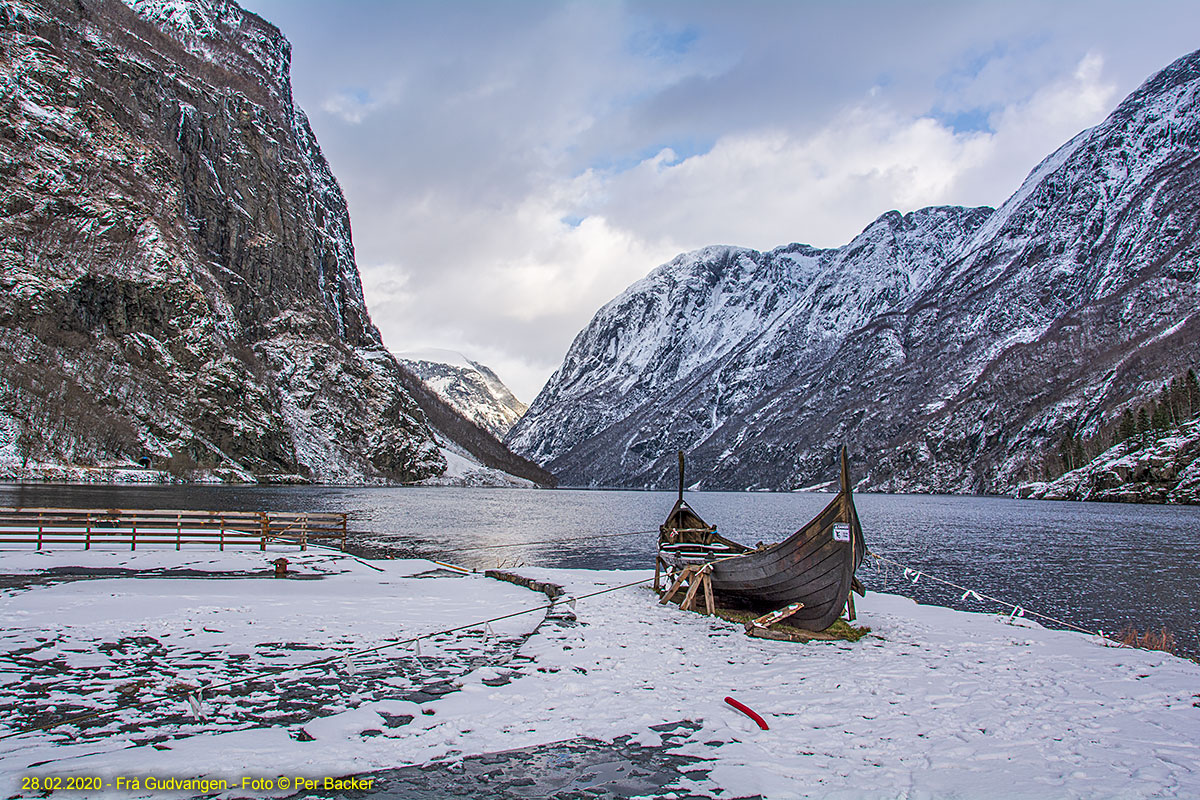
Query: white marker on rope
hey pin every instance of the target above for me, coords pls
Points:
(197, 708)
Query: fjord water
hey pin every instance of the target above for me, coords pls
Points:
(1096, 565)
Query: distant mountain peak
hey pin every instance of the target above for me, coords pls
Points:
(436, 355)
(471, 388)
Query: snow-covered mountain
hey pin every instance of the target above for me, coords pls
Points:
(950, 348)
(471, 388)
(177, 272)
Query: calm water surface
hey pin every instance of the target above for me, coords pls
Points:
(1097, 565)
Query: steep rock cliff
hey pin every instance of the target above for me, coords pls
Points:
(176, 264)
(1165, 469)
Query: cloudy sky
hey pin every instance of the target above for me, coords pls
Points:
(513, 165)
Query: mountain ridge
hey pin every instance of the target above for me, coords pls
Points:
(1053, 312)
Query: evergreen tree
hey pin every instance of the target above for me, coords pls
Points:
(1179, 401)
(1065, 452)
(1161, 416)
(1192, 386)
(1166, 408)
(1143, 425)
(1128, 426)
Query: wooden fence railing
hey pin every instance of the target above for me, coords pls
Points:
(50, 526)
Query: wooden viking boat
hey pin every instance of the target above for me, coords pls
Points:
(814, 566)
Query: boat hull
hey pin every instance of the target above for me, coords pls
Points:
(808, 567)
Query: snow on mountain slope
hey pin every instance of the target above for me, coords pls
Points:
(706, 335)
(951, 348)
(471, 388)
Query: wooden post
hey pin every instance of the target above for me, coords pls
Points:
(689, 600)
(708, 594)
(87, 542)
(39, 545)
(666, 598)
(179, 531)
(266, 530)
(681, 476)
(344, 516)
(304, 532)
(133, 535)
(845, 471)
(222, 533)
(850, 616)
(657, 571)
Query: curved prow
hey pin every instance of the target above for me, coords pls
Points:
(845, 471)
(681, 476)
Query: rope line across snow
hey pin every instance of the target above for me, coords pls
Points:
(915, 575)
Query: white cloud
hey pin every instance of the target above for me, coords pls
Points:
(520, 282)
(767, 188)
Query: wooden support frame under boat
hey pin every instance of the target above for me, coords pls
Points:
(814, 566)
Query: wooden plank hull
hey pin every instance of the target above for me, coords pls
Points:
(808, 567)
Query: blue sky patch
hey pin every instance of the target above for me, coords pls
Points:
(662, 44)
(972, 120)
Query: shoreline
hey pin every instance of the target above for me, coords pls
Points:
(169, 482)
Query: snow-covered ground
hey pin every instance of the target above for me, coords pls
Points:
(936, 703)
(463, 469)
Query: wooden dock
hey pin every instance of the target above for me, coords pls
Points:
(111, 527)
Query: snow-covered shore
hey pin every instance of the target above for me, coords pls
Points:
(936, 703)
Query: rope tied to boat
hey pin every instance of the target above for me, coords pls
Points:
(1016, 610)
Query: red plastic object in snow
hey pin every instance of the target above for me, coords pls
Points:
(749, 712)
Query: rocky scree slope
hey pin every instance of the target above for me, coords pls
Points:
(471, 388)
(178, 278)
(950, 348)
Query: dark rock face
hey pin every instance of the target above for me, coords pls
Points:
(177, 270)
(950, 348)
